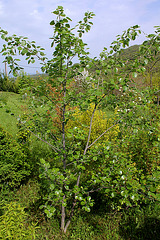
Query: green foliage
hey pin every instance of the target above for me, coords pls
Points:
(49, 229)
(81, 230)
(7, 84)
(28, 194)
(23, 81)
(13, 223)
(14, 165)
(153, 78)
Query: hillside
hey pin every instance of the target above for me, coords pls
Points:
(132, 52)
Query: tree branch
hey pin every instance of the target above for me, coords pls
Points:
(90, 128)
(104, 133)
(54, 148)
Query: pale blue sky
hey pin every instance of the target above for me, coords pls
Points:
(31, 18)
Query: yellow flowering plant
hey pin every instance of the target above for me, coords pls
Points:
(80, 122)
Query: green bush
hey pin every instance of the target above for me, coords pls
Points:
(8, 84)
(14, 165)
(23, 81)
(16, 85)
(28, 193)
(13, 224)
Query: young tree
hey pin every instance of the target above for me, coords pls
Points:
(80, 164)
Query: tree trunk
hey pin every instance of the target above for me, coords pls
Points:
(63, 215)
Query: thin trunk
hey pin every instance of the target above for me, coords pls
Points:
(70, 217)
(90, 128)
(63, 137)
(158, 98)
(63, 216)
(79, 176)
(73, 206)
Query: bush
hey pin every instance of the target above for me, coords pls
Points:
(16, 85)
(28, 193)
(8, 84)
(14, 165)
(13, 224)
(140, 223)
(23, 81)
(81, 121)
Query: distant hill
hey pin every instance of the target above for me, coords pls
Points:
(130, 52)
(151, 77)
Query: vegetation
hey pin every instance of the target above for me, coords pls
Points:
(86, 145)
(14, 166)
(12, 223)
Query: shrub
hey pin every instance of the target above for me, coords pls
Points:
(23, 81)
(101, 122)
(140, 223)
(14, 165)
(13, 223)
(8, 84)
(28, 193)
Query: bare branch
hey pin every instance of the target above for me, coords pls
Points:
(104, 133)
(90, 128)
(54, 148)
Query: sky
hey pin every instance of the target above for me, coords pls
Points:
(31, 18)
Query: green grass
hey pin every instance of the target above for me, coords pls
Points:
(11, 106)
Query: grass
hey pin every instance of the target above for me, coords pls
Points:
(11, 106)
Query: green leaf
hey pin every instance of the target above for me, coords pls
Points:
(52, 186)
(134, 74)
(42, 53)
(52, 22)
(94, 158)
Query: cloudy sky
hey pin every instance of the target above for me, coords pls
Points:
(31, 18)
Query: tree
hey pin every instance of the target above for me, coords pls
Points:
(80, 165)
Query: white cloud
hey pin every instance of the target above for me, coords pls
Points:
(36, 14)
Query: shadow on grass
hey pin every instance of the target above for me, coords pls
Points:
(148, 230)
